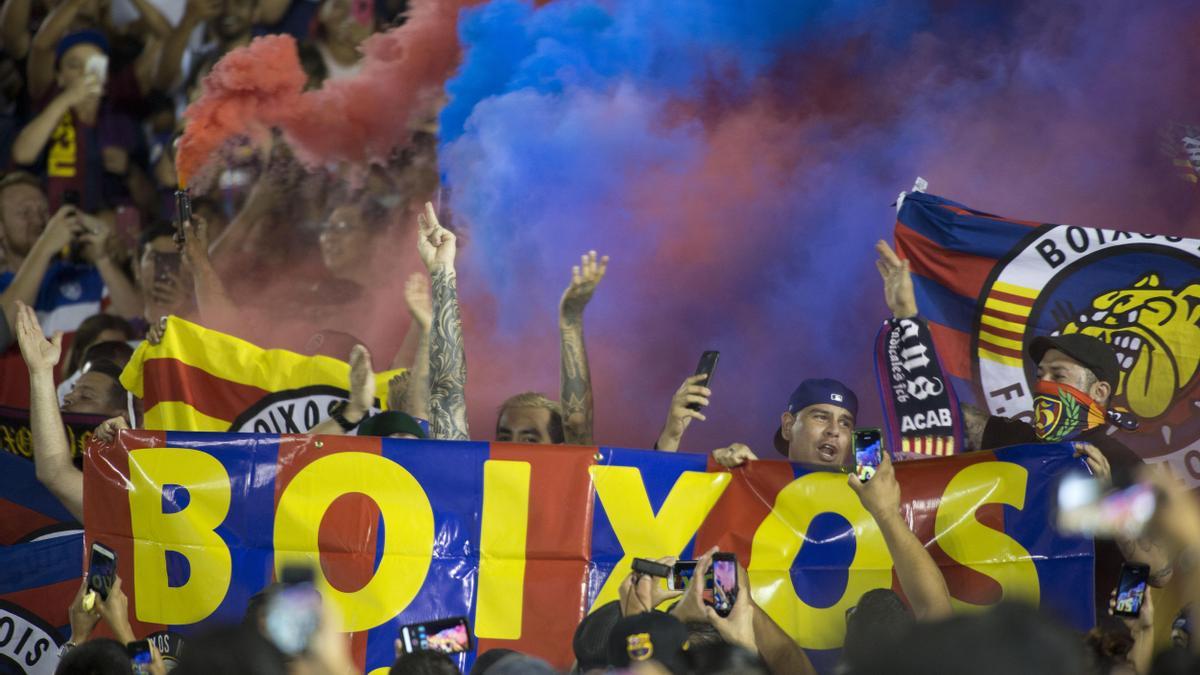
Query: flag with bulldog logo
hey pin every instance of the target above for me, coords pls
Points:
(987, 285)
(199, 379)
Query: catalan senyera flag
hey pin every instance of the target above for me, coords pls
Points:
(199, 379)
(987, 285)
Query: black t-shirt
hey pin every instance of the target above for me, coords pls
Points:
(1004, 431)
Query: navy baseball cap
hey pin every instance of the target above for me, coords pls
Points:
(81, 37)
(812, 392)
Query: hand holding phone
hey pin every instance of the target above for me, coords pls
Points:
(720, 581)
(102, 570)
(868, 452)
(448, 636)
(708, 363)
(651, 568)
(293, 613)
(1131, 590)
(141, 656)
(1089, 507)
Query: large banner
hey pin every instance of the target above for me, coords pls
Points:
(524, 540)
(988, 285)
(204, 380)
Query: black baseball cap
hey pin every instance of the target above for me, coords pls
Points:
(391, 422)
(813, 392)
(656, 636)
(1092, 352)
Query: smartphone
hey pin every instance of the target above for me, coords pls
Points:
(681, 575)
(139, 654)
(102, 570)
(651, 568)
(1131, 589)
(868, 452)
(294, 610)
(708, 363)
(183, 213)
(166, 266)
(97, 64)
(1088, 507)
(720, 583)
(724, 582)
(448, 636)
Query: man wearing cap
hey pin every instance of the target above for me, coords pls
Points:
(80, 148)
(1073, 370)
(817, 427)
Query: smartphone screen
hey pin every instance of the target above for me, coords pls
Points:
(102, 570)
(724, 582)
(681, 575)
(97, 65)
(868, 452)
(294, 611)
(708, 363)
(139, 654)
(448, 636)
(1087, 507)
(1131, 589)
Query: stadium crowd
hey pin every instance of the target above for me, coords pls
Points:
(93, 95)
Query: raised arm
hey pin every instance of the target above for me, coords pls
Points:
(51, 452)
(680, 416)
(34, 136)
(919, 575)
(217, 310)
(14, 27)
(447, 360)
(415, 401)
(362, 395)
(171, 57)
(39, 69)
(576, 382)
(96, 235)
(59, 232)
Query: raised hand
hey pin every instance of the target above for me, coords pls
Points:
(95, 233)
(1095, 459)
(61, 229)
(41, 355)
(691, 607)
(680, 416)
(436, 245)
(362, 380)
(195, 241)
(584, 278)
(738, 627)
(86, 89)
(83, 621)
(880, 496)
(897, 282)
(418, 300)
(641, 593)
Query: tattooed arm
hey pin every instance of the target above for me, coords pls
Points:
(447, 361)
(576, 382)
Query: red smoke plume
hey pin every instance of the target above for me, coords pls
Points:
(356, 120)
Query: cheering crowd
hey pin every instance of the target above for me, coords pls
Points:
(93, 92)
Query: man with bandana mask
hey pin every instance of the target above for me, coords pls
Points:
(1077, 377)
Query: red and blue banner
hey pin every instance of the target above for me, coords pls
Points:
(525, 539)
(987, 285)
